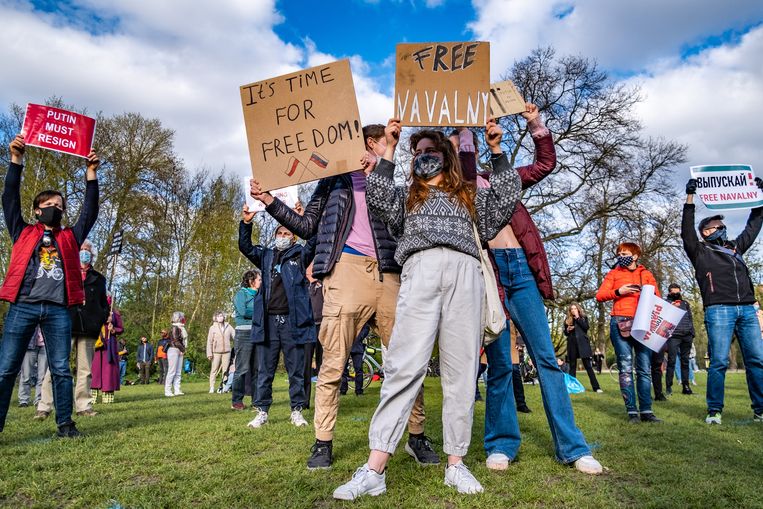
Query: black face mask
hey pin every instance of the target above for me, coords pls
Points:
(673, 296)
(50, 216)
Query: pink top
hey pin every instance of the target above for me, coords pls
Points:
(361, 238)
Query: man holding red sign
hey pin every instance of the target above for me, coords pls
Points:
(43, 279)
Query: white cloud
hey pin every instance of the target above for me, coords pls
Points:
(179, 62)
(623, 35)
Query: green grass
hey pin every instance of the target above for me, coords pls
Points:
(192, 451)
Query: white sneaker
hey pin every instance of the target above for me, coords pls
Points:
(588, 465)
(497, 461)
(169, 395)
(599, 391)
(211, 390)
(364, 482)
(459, 477)
(297, 419)
(179, 393)
(260, 420)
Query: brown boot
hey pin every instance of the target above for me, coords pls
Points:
(41, 415)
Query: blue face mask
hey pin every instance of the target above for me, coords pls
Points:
(719, 236)
(85, 257)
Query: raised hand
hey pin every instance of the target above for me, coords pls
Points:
(247, 216)
(691, 186)
(255, 191)
(18, 146)
(531, 112)
(493, 135)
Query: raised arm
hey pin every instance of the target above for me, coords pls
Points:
(12, 189)
(688, 233)
(746, 239)
(252, 252)
(89, 213)
(304, 225)
(545, 153)
(495, 204)
(385, 200)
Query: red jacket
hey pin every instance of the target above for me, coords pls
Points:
(525, 231)
(22, 252)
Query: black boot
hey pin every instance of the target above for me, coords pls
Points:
(68, 431)
(687, 389)
(321, 457)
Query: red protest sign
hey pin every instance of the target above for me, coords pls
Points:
(59, 130)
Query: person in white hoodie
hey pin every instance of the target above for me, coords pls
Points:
(219, 340)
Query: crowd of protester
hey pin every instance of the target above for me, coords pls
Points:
(405, 261)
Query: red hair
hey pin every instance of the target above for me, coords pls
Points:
(629, 246)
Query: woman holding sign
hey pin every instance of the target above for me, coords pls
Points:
(436, 221)
(623, 286)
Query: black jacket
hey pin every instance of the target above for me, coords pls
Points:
(686, 326)
(88, 318)
(578, 344)
(329, 216)
(293, 263)
(722, 275)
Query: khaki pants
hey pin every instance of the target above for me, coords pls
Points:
(83, 348)
(441, 298)
(352, 294)
(219, 362)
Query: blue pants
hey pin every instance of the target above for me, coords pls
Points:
(56, 326)
(722, 322)
(624, 349)
(122, 371)
(279, 339)
(529, 315)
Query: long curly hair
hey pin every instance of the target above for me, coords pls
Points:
(452, 182)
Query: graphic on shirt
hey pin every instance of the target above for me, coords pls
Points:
(50, 264)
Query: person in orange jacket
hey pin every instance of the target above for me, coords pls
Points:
(623, 286)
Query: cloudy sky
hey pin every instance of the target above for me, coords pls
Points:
(698, 62)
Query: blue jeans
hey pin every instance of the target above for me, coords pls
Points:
(624, 349)
(122, 371)
(529, 315)
(722, 322)
(56, 326)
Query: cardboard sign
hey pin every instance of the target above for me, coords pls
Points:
(59, 130)
(655, 319)
(443, 84)
(505, 99)
(727, 187)
(303, 126)
(288, 195)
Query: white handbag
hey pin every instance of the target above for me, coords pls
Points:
(493, 317)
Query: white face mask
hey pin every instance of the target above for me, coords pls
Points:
(282, 243)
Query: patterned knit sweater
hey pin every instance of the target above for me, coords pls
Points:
(440, 221)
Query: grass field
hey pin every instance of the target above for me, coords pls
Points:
(192, 451)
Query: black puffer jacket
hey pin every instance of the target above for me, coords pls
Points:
(722, 275)
(686, 326)
(88, 318)
(329, 215)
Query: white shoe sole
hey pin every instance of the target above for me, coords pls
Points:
(453, 485)
(374, 493)
(495, 465)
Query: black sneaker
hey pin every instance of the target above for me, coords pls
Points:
(660, 397)
(634, 419)
(321, 457)
(421, 449)
(524, 409)
(23, 405)
(687, 389)
(650, 417)
(68, 431)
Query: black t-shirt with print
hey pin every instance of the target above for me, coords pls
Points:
(48, 284)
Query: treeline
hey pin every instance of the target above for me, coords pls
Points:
(612, 183)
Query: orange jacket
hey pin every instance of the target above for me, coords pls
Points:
(617, 277)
